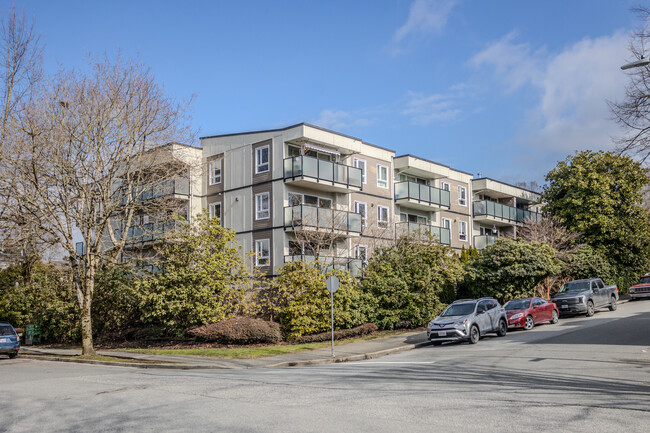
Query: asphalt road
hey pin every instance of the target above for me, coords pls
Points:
(581, 375)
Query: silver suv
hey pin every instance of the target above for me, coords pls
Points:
(468, 319)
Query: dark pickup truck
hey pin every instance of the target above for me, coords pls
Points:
(584, 296)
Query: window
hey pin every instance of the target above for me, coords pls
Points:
(293, 151)
(214, 169)
(262, 252)
(445, 223)
(214, 210)
(382, 217)
(408, 178)
(382, 176)
(360, 163)
(262, 159)
(445, 186)
(311, 200)
(462, 230)
(361, 253)
(262, 210)
(360, 208)
(462, 195)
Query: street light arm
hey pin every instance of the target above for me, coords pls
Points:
(639, 63)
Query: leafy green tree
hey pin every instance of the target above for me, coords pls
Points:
(300, 302)
(202, 277)
(599, 195)
(116, 300)
(510, 269)
(411, 281)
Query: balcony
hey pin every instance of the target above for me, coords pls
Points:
(501, 214)
(481, 242)
(419, 196)
(441, 234)
(305, 217)
(322, 175)
(331, 262)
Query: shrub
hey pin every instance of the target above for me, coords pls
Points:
(410, 282)
(238, 330)
(301, 303)
(359, 331)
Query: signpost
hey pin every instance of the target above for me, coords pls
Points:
(332, 285)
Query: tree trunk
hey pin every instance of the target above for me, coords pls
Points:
(86, 324)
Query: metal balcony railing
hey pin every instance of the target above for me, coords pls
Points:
(321, 170)
(509, 213)
(441, 234)
(482, 241)
(305, 216)
(422, 193)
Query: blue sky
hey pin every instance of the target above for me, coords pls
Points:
(504, 87)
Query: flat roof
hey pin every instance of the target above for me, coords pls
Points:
(507, 184)
(295, 126)
(434, 162)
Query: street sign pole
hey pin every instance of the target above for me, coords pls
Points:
(332, 285)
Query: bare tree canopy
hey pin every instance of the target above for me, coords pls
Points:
(633, 113)
(89, 156)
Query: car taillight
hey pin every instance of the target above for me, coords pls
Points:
(616, 289)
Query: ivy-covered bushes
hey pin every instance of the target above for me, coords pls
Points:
(358, 331)
(410, 282)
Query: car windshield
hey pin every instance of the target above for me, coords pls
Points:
(645, 280)
(575, 286)
(517, 304)
(459, 309)
(6, 330)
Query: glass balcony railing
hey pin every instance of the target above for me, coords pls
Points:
(321, 218)
(330, 262)
(441, 234)
(498, 210)
(482, 241)
(422, 193)
(322, 170)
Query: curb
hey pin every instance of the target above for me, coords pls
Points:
(351, 358)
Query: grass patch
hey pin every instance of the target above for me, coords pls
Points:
(262, 351)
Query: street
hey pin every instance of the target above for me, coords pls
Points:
(581, 375)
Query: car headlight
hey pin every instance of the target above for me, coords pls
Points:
(581, 299)
(460, 322)
(517, 316)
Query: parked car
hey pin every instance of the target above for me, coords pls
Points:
(585, 296)
(527, 312)
(468, 319)
(9, 342)
(642, 288)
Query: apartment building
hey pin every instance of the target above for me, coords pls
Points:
(499, 209)
(301, 193)
(305, 192)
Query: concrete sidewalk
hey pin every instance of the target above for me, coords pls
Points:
(343, 352)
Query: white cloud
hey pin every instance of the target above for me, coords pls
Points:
(425, 109)
(338, 119)
(425, 17)
(573, 86)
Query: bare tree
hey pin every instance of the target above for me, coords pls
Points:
(21, 70)
(633, 113)
(90, 157)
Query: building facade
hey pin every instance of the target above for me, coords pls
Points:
(306, 193)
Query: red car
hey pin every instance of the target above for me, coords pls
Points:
(527, 312)
(642, 288)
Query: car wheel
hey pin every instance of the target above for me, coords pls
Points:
(612, 305)
(503, 328)
(474, 335)
(530, 323)
(590, 308)
(12, 355)
(555, 318)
